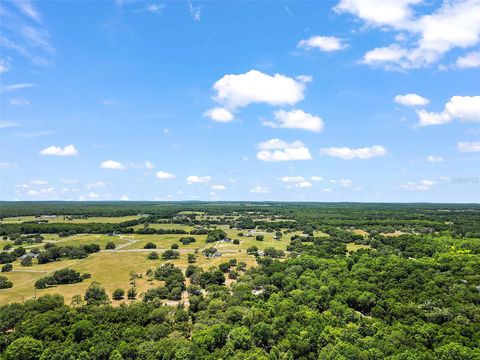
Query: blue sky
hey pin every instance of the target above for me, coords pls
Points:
(348, 100)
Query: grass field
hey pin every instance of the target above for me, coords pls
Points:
(60, 219)
(112, 268)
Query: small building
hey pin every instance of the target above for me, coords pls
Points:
(227, 240)
(30, 255)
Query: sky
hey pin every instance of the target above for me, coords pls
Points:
(346, 100)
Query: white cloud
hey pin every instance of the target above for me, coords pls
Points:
(4, 66)
(41, 192)
(27, 8)
(296, 119)
(194, 179)
(303, 184)
(411, 100)
(424, 38)
(109, 102)
(195, 11)
(323, 43)
(278, 150)
(5, 165)
(434, 159)
(95, 185)
(316, 178)
(219, 114)
(463, 108)
(345, 182)
(470, 60)
(236, 91)
(112, 164)
(15, 87)
(467, 146)
(155, 8)
(292, 179)
(162, 175)
(218, 187)
(124, 198)
(38, 182)
(378, 12)
(6, 124)
(418, 186)
(29, 39)
(260, 189)
(19, 102)
(430, 118)
(68, 150)
(360, 153)
(149, 165)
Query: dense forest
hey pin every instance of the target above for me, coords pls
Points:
(411, 296)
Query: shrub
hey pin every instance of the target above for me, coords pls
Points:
(26, 261)
(174, 246)
(5, 283)
(7, 268)
(170, 254)
(110, 246)
(95, 294)
(153, 256)
(259, 237)
(118, 294)
(236, 242)
(132, 293)
(150, 245)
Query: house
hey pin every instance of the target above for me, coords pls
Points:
(31, 255)
(227, 240)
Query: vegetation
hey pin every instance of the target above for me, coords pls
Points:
(328, 281)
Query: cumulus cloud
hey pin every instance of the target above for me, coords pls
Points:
(360, 153)
(322, 43)
(378, 12)
(316, 178)
(219, 114)
(468, 146)
(418, 186)
(278, 150)
(124, 198)
(434, 159)
(68, 150)
(239, 90)
(411, 100)
(113, 165)
(423, 38)
(463, 108)
(163, 175)
(296, 119)
(470, 60)
(194, 179)
(259, 189)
